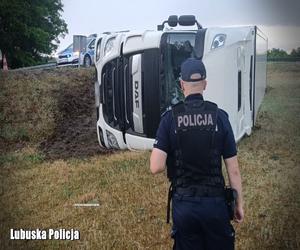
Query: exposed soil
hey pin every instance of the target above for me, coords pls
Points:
(56, 110)
(75, 134)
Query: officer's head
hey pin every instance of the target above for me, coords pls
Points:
(193, 75)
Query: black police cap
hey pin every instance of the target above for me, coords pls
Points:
(193, 70)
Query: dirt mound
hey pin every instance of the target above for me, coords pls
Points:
(51, 109)
(75, 133)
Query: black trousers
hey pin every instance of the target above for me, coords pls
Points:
(201, 223)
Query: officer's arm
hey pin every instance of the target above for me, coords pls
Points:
(157, 161)
(234, 176)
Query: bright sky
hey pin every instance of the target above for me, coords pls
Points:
(278, 19)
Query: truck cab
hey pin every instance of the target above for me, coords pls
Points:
(138, 78)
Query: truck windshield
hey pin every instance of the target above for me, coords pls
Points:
(175, 48)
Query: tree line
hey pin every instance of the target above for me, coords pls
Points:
(30, 30)
(281, 55)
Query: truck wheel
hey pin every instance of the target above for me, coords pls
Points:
(87, 61)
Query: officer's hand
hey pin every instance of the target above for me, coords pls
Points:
(239, 214)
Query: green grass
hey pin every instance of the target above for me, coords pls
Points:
(14, 134)
(38, 193)
(29, 101)
(26, 157)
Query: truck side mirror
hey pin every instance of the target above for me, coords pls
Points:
(185, 20)
(173, 21)
(188, 20)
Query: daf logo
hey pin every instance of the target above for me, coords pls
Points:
(136, 94)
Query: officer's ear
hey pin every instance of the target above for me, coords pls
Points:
(204, 84)
(182, 85)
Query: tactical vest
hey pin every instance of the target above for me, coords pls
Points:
(197, 162)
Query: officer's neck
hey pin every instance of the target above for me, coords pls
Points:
(187, 93)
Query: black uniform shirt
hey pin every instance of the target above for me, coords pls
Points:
(224, 138)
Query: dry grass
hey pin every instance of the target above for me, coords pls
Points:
(131, 208)
(270, 166)
(28, 108)
(37, 193)
(52, 109)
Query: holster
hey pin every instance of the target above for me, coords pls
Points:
(231, 197)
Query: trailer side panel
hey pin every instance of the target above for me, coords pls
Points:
(260, 70)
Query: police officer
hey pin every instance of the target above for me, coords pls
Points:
(191, 140)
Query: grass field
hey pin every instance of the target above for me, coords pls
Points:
(38, 190)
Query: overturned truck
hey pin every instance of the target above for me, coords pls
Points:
(138, 77)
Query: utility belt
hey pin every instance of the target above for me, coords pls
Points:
(200, 191)
(228, 193)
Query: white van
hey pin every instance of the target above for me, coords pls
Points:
(138, 78)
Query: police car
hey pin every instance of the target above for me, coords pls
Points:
(138, 77)
(88, 58)
(68, 56)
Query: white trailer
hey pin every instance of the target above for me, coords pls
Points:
(138, 78)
